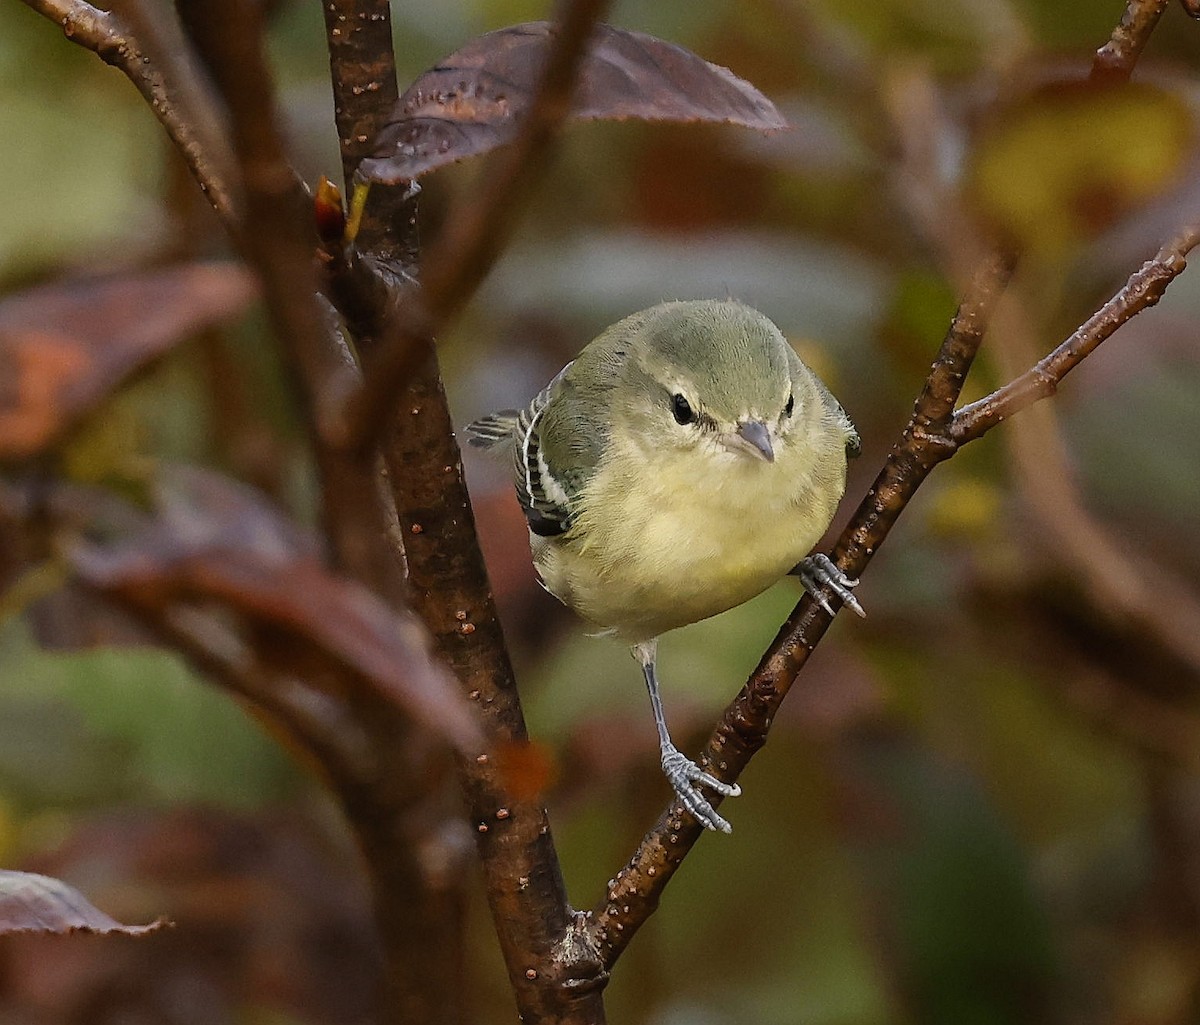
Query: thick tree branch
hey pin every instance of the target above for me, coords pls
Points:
(552, 977)
(177, 96)
(422, 983)
(363, 73)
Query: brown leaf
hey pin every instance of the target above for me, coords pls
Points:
(64, 347)
(35, 903)
(216, 540)
(222, 874)
(473, 100)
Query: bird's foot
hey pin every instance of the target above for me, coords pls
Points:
(686, 778)
(819, 570)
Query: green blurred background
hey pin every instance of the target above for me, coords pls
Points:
(979, 806)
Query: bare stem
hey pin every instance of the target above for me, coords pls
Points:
(177, 96)
(1116, 59)
(934, 433)
(1143, 289)
(742, 730)
(552, 978)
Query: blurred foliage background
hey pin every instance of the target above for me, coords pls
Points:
(981, 805)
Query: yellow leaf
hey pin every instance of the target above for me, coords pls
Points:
(1064, 163)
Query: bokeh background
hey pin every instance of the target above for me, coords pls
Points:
(979, 805)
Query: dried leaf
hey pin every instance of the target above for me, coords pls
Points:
(473, 100)
(35, 903)
(217, 540)
(65, 347)
(223, 875)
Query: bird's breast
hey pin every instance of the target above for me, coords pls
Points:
(660, 543)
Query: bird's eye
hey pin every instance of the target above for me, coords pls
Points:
(791, 404)
(684, 414)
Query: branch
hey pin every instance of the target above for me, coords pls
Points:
(448, 582)
(1115, 60)
(276, 240)
(1151, 602)
(635, 891)
(362, 70)
(385, 789)
(1143, 289)
(63, 512)
(477, 231)
(389, 793)
(169, 85)
(934, 433)
(363, 74)
(553, 975)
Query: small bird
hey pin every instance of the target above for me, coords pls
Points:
(684, 462)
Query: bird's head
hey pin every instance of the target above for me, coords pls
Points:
(714, 377)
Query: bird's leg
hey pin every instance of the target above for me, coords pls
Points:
(817, 571)
(684, 775)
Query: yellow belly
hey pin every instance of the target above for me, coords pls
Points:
(654, 554)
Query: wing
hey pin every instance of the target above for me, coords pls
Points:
(849, 432)
(543, 497)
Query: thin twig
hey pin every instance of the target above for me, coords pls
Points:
(1150, 601)
(1115, 60)
(1134, 596)
(635, 891)
(178, 99)
(1143, 289)
(276, 241)
(476, 232)
(931, 436)
(1159, 729)
(305, 713)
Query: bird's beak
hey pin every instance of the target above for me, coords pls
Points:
(752, 438)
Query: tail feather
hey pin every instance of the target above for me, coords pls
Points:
(498, 429)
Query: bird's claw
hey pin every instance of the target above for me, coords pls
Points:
(683, 774)
(818, 571)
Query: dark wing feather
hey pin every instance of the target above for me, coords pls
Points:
(542, 497)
